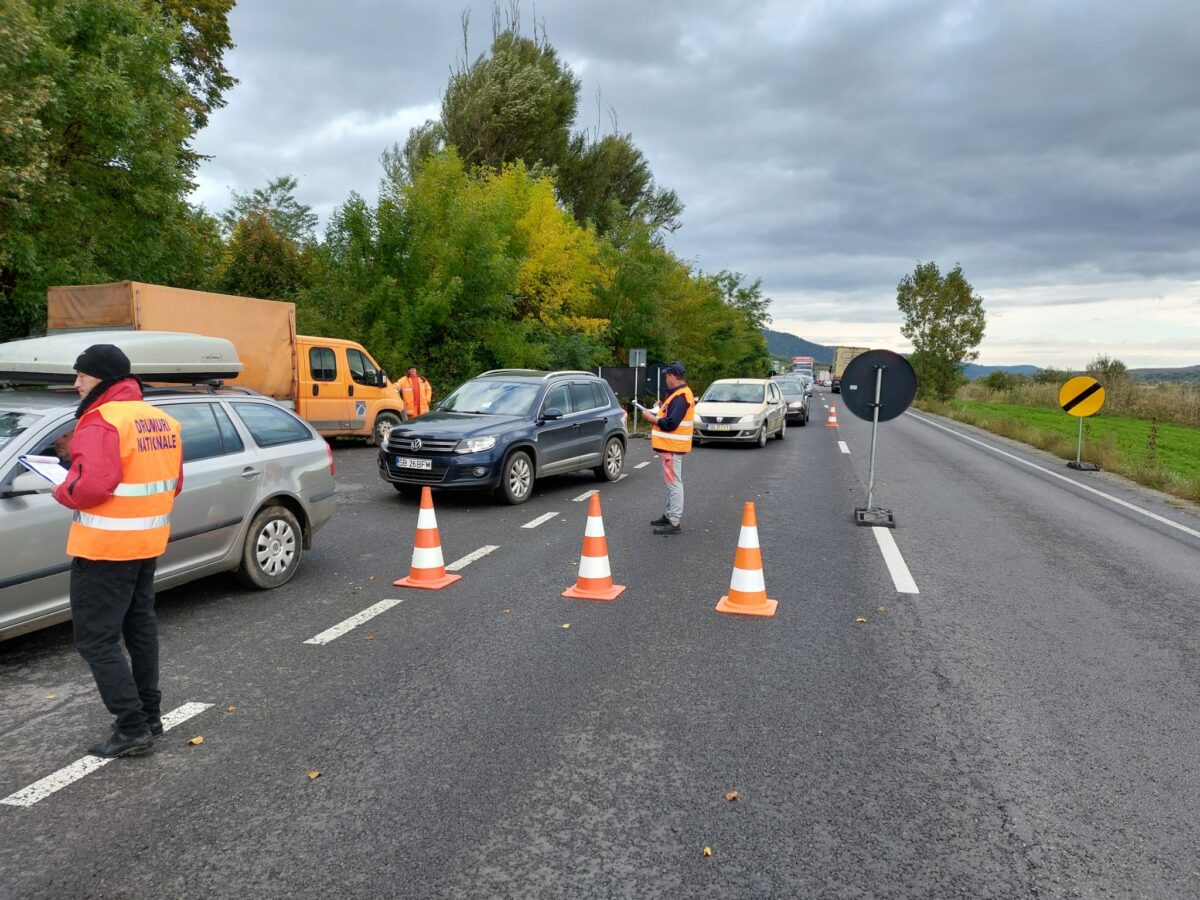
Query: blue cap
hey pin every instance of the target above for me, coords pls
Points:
(676, 369)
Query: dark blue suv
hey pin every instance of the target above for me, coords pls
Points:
(505, 428)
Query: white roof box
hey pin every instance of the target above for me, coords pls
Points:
(164, 356)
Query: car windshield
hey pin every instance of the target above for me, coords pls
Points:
(14, 421)
(493, 398)
(734, 393)
(790, 389)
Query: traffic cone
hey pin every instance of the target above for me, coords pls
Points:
(747, 591)
(427, 570)
(595, 577)
(831, 422)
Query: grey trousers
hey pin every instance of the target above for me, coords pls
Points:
(672, 464)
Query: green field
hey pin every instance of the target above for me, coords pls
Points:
(1171, 463)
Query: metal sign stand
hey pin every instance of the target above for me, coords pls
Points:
(872, 514)
(1079, 464)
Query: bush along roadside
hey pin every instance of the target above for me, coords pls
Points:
(1162, 456)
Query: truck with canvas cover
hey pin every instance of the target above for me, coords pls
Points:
(841, 359)
(335, 384)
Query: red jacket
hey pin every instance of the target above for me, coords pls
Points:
(96, 455)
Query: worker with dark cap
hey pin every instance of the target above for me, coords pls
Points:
(126, 469)
(671, 438)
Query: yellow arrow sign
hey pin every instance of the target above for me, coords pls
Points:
(1081, 396)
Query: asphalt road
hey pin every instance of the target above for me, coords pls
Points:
(1023, 726)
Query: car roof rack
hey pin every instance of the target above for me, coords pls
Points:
(158, 356)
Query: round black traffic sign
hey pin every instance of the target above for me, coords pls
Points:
(896, 392)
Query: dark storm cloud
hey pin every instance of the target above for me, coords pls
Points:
(825, 147)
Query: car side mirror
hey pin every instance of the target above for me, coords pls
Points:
(381, 378)
(28, 483)
(552, 413)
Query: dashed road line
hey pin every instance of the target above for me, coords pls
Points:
(540, 520)
(1071, 481)
(584, 496)
(622, 476)
(43, 788)
(842, 446)
(471, 557)
(901, 577)
(332, 634)
(642, 465)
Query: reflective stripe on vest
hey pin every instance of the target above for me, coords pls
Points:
(135, 521)
(679, 440)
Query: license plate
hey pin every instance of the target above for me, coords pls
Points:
(406, 462)
(720, 427)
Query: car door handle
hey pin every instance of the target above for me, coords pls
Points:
(251, 472)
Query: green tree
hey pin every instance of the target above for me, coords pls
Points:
(292, 220)
(260, 262)
(608, 181)
(199, 53)
(944, 319)
(95, 167)
(1108, 371)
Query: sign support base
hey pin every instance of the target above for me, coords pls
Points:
(1083, 466)
(874, 516)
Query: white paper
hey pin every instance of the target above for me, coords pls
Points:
(47, 466)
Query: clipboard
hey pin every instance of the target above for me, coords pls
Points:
(48, 467)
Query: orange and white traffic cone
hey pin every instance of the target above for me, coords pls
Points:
(831, 422)
(427, 570)
(595, 577)
(747, 591)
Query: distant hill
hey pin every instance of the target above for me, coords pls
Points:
(973, 371)
(1183, 374)
(785, 346)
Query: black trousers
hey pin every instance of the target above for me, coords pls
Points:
(111, 600)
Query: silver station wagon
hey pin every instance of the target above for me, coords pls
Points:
(257, 485)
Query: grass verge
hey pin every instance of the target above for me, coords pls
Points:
(1159, 455)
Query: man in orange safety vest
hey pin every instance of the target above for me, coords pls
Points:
(415, 392)
(671, 438)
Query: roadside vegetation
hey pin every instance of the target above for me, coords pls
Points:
(1148, 433)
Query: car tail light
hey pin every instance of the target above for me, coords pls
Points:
(624, 416)
(329, 450)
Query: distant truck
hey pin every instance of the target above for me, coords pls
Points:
(334, 384)
(841, 359)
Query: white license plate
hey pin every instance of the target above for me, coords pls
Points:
(721, 427)
(406, 462)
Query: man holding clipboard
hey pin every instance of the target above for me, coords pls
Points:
(126, 467)
(671, 438)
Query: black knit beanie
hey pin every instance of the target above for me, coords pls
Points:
(103, 361)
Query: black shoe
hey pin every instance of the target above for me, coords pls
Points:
(667, 529)
(661, 520)
(155, 726)
(121, 744)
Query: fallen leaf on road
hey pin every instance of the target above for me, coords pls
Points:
(861, 620)
(731, 795)
(369, 637)
(231, 709)
(506, 612)
(708, 851)
(313, 774)
(567, 625)
(883, 609)
(52, 696)
(198, 739)
(371, 578)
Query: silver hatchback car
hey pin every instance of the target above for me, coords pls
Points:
(257, 485)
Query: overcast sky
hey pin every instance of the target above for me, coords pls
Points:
(1050, 148)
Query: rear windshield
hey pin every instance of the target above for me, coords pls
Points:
(734, 393)
(790, 389)
(14, 421)
(493, 398)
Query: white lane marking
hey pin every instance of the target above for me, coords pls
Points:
(42, 789)
(583, 497)
(642, 465)
(471, 557)
(540, 520)
(622, 476)
(332, 634)
(901, 577)
(1071, 481)
(842, 446)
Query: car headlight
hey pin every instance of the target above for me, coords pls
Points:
(749, 418)
(476, 444)
(796, 405)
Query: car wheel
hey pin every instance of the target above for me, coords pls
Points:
(762, 436)
(614, 461)
(384, 423)
(274, 546)
(517, 480)
(782, 429)
(804, 418)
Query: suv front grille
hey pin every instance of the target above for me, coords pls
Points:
(397, 444)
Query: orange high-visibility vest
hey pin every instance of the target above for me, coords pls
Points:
(135, 522)
(415, 405)
(679, 440)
